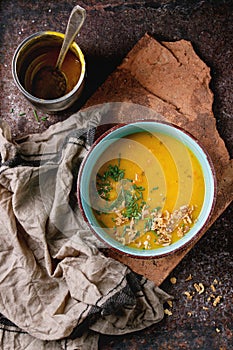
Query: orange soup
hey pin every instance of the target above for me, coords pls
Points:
(147, 190)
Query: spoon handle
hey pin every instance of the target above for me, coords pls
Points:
(75, 23)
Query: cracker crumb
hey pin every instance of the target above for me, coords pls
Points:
(217, 330)
(205, 308)
(173, 280)
(167, 312)
(215, 281)
(189, 313)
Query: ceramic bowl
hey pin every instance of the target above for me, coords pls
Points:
(120, 131)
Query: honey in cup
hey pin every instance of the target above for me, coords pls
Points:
(45, 54)
(40, 85)
(42, 50)
(147, 190)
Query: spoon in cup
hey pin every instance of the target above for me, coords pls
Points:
(51, 81)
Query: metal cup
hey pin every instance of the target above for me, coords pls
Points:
(28, 59)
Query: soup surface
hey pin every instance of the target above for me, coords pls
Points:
(147, 190)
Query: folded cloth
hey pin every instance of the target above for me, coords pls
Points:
(56, 285)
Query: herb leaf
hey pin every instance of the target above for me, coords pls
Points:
(36, 115)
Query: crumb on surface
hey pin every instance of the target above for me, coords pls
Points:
(170, 303)
(173, 280)
(199, 287)
(188, 295)
(167, 312)
(217, 300)
(189, 278)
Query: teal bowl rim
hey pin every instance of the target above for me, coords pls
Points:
(185, 137)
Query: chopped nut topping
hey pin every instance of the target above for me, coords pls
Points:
(122, 240)
(120, 219)
(145, 212)
(180, 232)
(183, 214)
(162, 223)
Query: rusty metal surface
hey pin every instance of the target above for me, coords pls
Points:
(112, 28)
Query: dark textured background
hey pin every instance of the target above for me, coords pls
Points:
(110, 31)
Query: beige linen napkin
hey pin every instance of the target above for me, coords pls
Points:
(55, 283)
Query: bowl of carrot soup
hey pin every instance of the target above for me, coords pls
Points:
(147, 189)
